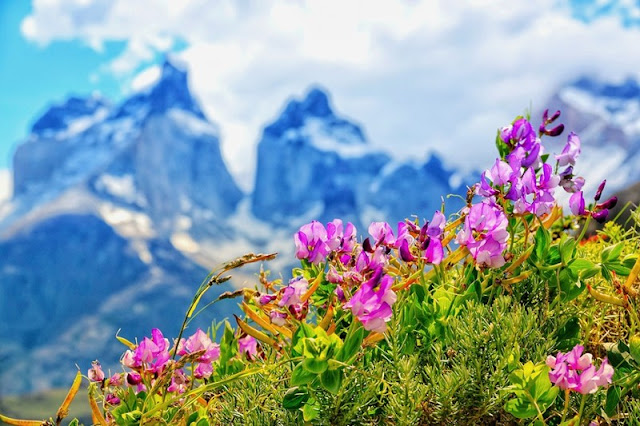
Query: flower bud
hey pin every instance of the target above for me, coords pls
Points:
(609, 204)
(599, 191)
(600, 216)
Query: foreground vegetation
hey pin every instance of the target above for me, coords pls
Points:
(502, 313)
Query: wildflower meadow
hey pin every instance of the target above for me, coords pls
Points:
(506, 312)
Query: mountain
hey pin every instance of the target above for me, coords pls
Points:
(119, 210)
(606, 116)
(97, 234)
(314, 163)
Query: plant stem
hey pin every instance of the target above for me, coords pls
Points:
(584, 399)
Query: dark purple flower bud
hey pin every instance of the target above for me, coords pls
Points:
(545, 116)
(600, 216)
(555, 131)
(112, 399)
(366, 245)
(340, 293)
(609, 204)
(266, 298)
(599, 191)
(134, 379)
(405, 253)
(554, 117)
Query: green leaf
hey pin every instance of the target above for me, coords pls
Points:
(310, 410)
(568, 335)
(567, 250)
(352, 344)
(315, 365)
(295, 398)
(302, 376)
(619, 269)
(577, 266)
(571, 287)
(612, 253)
(203, 422)
(613, 397)
(543, 240)
(304, 330)
(520, 408)
(331, 380)
(74, 422)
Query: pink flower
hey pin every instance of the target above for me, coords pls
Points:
(249, 346)
(292, 293)
(178, 382)
(200, 341)
(311, 242)
(95, 373)
(485, 234)
(382, 233)
(116, 380)
(371, 304)
(112, 399)
(152, 353)
(575, 371)
(278, 318)
(570, 152)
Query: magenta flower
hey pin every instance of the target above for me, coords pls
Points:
(151, 354)
(264, 298)
(95, 373)
(570, 152)
(179, 382)
(112, 399)
(249, 346)
(576, 203)
(340, 238)
(485, 234)
(116, 380)
(278, 318)
(371, 304)
(291, 294)
(430, 238)
(382, 233)
(520, 133)
(198, 342)
(575, 371)
(311, 242)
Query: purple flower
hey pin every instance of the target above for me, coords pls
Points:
(599, 190)
(311, 242)
(520, 133)
(575, 371)
(382, 233)
(112, 399)
(485, 234)
(264, 298)
(405, 252)
(198, 342)
(341, 238)
(179, 382)
(116, 380)
(292, 293)
(371, 304)
(278, 318)
(570, 152)
(249, 346)
(95, 373)
(152, 354)
(576, 203)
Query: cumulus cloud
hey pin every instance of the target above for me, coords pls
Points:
(418, 75)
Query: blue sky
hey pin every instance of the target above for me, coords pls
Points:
(419, 75)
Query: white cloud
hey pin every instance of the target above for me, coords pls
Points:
(6, 185)
(418, 75)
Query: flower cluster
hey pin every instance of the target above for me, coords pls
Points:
(314, 242)
(485, 234)
(575, 371)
